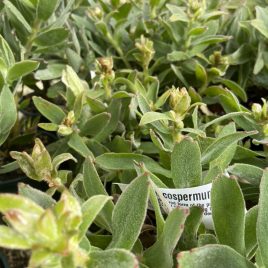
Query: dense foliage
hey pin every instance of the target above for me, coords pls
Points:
(154, 94)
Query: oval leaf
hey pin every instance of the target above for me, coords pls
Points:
(20, 69)
(129, 213)
(213, 256)
(186, 164)
(123, 161)
(228, 213)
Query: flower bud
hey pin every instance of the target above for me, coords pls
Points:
(64, 130)
(256, 108)
(146, 48)
(96, 13)
(217, 59)
(180, 100)
(105, 65)
(265, 130)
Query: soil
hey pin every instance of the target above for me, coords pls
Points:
(14, 258)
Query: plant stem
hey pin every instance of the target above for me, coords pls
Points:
(29, 44)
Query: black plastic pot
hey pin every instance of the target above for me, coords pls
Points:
(10, 258)
(10, 185)
(3, 260)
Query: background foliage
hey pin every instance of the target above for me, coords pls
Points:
(155, 93)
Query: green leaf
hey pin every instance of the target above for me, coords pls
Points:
(250, 173)
(72, 81)
(46, 8)
(124, 161)
(222, 118)
(210, 39)
(219, 145)
(96, 105)
(150, 117)
(201, 74)
(178, 13)
(226, 157)
(261, 21)
(177, 56)
(206, 239)
(186, 164)
(162, 99)
(93, 186)
(235, 88)
(12, 239)
(42, 199)
(160, 222)
(120, 145)
(90, 209)
(129, 213)
(78, 106)
(198, 30)
(188, 239)
(49, 110)
(250, 231)
(8, 113)
(20, 69)
(12, 201)
(51, 37)
(48, 126)
(59, 159)
(178, 73)
(41, 160)
(51, 72)
(26, 164)
(262, 220)
(157, 141)
(6, 53)
(112, 258)
(95, 124)
(161, 253)
(17, 15)
(11, 166)
(92, 182)
(47, 226)
(213, 256)
(228, 213)
(78, 144)
(115, 110)
(145, 108)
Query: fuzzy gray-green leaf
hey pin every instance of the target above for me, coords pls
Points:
(262, 220)
(250, 231)
(90, 209)
(220, 256)
(8, 113)
(219, 145)
(112, 258)
(247, 172)
(160, 253)
(129, 213)
(123, 161)
(49, 110)
(228, 213)
(186, 164)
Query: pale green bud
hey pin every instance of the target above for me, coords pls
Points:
(146, 47)
(265, 130)
(96, 13)
(180, 100)
(64, 130)
(256, 108)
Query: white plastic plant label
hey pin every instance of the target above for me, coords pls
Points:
(186, 197)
